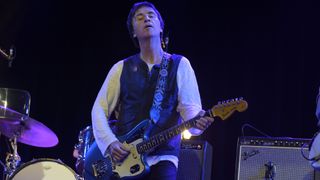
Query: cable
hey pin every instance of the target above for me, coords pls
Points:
(248, 125)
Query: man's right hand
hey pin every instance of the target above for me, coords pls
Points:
(118, 151)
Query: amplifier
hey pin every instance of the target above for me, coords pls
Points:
(277, 158)
(195, 161)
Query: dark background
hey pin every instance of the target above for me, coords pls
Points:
(265, 51)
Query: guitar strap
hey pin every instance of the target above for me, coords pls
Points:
(160, 89)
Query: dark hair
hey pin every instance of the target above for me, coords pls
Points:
(132, 12)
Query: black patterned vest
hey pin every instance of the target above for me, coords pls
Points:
(137, 86)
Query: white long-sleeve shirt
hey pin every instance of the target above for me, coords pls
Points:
(189, 105)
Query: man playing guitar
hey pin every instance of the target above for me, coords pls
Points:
(131, 86)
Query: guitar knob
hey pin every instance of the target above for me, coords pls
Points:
(134, 156)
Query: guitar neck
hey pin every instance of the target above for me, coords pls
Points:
(158, 139)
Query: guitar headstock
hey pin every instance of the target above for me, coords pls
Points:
(225, 109)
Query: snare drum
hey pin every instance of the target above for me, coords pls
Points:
(44, 169)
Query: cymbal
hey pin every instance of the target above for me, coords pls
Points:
(27, 130)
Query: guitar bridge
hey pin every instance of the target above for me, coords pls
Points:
(100, 168)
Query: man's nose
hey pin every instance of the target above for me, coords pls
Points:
(147, 19)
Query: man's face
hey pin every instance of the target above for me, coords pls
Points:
(145, 23)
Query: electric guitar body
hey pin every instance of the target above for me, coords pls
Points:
(134, 165)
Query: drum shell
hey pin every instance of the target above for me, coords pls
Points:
(45, 169)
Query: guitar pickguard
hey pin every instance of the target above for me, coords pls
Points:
(133, 165)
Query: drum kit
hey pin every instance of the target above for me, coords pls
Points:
(17, 126)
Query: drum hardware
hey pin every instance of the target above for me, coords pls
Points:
(17, 126)
(85, 140)
(12, 159)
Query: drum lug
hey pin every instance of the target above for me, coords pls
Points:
(78, 177)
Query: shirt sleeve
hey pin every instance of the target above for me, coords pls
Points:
(189, 101)
(103, 107)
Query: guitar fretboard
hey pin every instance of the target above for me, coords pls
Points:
(156, 140)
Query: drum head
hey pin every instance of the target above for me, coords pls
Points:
(44, 169)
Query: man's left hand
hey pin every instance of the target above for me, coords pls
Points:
(204, 122)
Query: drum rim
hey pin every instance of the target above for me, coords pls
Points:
(59, 161)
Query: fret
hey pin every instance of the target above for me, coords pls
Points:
(188, 125)
(149, 144)
(157, 139)
(164, 136)
(161, 138)
(145, 147)
(142, 147)
(178, 130)
(153, 141)
(168, 134)
(171, 133)
(138, 148)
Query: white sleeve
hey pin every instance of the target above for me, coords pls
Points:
(189, 101)
(103, 107)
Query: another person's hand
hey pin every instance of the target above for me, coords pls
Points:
(118, 151)
(75, 153)
(204, 122)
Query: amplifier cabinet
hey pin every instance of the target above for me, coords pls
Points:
(195, 161)
(273, 158)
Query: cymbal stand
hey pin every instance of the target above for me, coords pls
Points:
(12, 160)
(1, 163)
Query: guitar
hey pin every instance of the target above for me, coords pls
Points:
(134, 165)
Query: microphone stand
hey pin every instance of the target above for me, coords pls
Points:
(9, 56)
